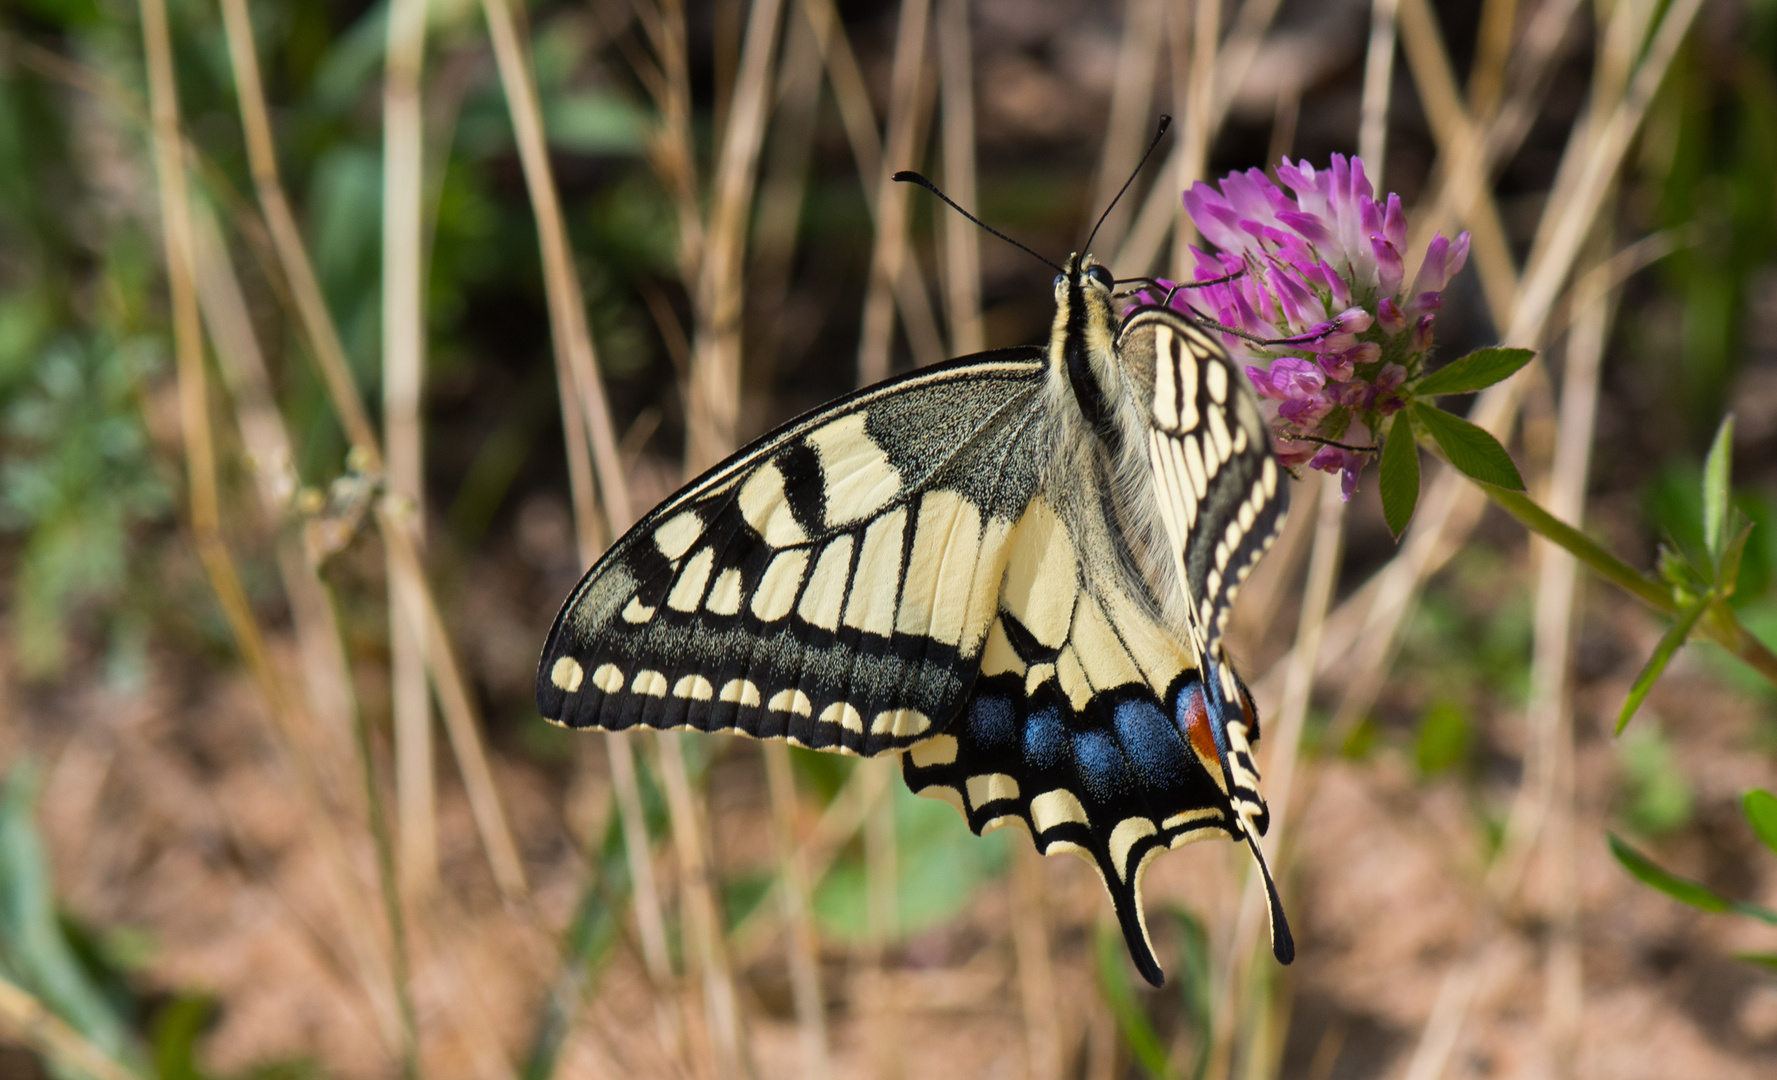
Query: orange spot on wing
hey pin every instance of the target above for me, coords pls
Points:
(1203, 740)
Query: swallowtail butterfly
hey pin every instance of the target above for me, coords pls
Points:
(1014, 569)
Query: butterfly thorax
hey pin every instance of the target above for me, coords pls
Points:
(1102, 405)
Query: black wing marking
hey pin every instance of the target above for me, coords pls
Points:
(831, 584)
(1221, 496)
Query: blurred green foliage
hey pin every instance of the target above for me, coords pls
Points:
(939, 865)
(1656, 795)
(1444, 739)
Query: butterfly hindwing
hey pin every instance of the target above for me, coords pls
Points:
(1216, 482)
(832, 583)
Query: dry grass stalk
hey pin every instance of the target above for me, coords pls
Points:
(1493, 47)
(24, 1019)
(962, 241)
(1454, 189)
(1043, 1036)
(326, 676)
(1198, 109)
(1550, 714)
(702, 916)
(242, 362)
(802, 941)
(1462, 148)
(783, 189)
(395, 1016)
(286, 235)
(844, 816)
(1243, 967)
(882, 907)
(404, 361)
(713, 400)
(1372, 132)
(905, 139)
(858, 116)
(1132, 102)
(567, 304)
(1159, 209)
(330, 358)
(462, 722)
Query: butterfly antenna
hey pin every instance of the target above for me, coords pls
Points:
(906, 176)
(1165, 122)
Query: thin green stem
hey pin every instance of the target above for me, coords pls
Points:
(1551, 528)
(1723, 627)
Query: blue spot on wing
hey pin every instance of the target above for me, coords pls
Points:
(993, 722)
(1045, 739)
(1101, 765)
(1150, 742)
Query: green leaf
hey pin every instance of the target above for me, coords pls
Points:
(1469, 448)
(1400, 474)
(1678, 888)
(1727, 568)
(1717, 468)
(1476, 371)
(1760, 807)
(1764, 960)
(1443, 739)
(1119, 992)
(1669, 643)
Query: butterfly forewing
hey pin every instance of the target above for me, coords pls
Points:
(832, 583)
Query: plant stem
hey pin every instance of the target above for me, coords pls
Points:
(1724, 629)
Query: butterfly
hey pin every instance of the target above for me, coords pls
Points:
(1013, 569)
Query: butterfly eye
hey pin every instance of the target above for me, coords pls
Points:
(1101, 275)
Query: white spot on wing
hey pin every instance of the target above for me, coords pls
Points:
(1189, 816)
(566, 673)
(741, 691)
(941, 568)
(1180, 354)
(676, 535)
(1165, 381)
(870, 607)
(1218, 430)
(945, 793)
(937, 750)
(1058, 807)
(845, 714)
(694, 687)
(725, 595)
(1215, 376)
(791, 701)
(1124, 837)
(767, 510)
(776, 593)
(999, 656)
(693, 579)
(652, 683)
(991, 787)
(636, 611)
(900, 723)
(1194, 463)
(825, 594)
(608, 678)
(859, 477)
(1041, 575)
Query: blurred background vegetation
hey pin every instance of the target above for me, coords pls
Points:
(223, 851)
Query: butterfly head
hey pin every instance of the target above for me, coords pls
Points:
(1083, 341)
